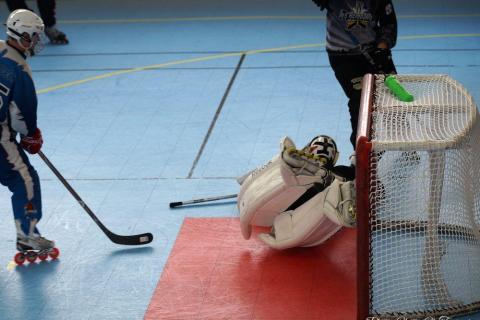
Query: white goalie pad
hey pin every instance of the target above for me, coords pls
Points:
(272, 188)
(316, 220)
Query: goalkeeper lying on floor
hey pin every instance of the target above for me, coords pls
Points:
(300, 194)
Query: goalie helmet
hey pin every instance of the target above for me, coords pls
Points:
(325, 148)
(25, 25)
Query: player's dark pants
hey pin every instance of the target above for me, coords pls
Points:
(349, 70)
(46, 8)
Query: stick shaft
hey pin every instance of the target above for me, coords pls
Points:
(127, 240)
(181, 203)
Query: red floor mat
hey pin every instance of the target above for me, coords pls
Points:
(213, 273)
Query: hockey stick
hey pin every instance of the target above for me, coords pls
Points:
(181, 203)
(132, 240)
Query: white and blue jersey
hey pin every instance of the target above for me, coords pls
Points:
(18, 115)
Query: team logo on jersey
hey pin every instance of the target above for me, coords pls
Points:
(358, 16)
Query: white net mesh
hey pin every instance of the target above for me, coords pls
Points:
(424, 199)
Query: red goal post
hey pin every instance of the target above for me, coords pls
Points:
(418, 200)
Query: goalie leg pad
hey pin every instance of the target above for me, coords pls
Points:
(339, 203)
(316, 220)
(265, 194)
(270, 190)
(286, 234)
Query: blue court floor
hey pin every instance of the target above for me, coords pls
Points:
(134, 115)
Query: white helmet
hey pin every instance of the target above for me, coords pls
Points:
(25, 25)
(323, 147)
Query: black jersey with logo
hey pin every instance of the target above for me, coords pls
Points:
(355, 23)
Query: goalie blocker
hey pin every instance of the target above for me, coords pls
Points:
(297, 195)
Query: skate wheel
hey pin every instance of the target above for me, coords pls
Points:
(31, 257)
(19, 258)
(43, 256)
(54, 253)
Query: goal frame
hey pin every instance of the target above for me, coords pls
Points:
(362, 185)
(364, 148)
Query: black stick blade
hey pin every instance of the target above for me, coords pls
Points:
(175, 204)
(135, 240)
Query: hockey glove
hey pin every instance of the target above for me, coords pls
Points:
(383, 61)
(321, 3)
(32, 144)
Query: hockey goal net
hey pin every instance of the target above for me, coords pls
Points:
(418, 200)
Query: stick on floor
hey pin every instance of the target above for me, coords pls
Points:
(132, 240)
(194, 201)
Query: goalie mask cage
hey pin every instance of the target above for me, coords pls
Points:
(418, 200)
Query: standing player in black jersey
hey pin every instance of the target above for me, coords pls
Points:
(360, 36)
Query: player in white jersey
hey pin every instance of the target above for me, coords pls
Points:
(18, 116)
(298, 194)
